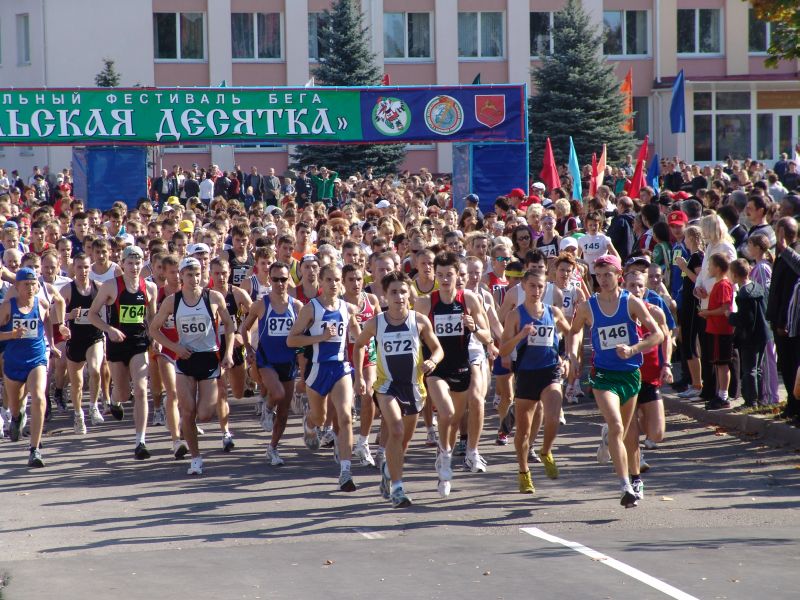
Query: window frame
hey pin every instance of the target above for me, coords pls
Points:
(407, 58)
(256, 59)
(714, 113)
(23, 45)
(550, 44)
(649, 124)
(503, 29)
(648, 32)
(768, 34)
(260, 148)
(178, 38)
(319, 16)
(696, 53)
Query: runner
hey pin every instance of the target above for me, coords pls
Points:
(612, 314)
(565, 265)
(257, 285)
(325, 318)
(196, 312)
(398, 334)
(132, 303)
(239, 260)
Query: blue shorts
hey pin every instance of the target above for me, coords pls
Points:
(498, 368)
(20, 373)
(321, 377)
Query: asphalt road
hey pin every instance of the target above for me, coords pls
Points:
(720, 519)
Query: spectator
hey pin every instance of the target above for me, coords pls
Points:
(620, 231)
(720, 332)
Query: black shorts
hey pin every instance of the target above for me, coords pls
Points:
(529, 385)
(403, 393)
(200, 366)
(78, 347)
(457, 381)
(648, 393)
(286, 371)
(721, 348)
(238, 353)
(124, 351)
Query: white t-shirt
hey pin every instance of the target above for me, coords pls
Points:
(592, 247)
(206, 189)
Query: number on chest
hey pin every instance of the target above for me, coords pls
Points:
(397, 343)
(612, 336)
(30, 327)
(279, 326)
(193, 325)
(448, 325)
(542, 335)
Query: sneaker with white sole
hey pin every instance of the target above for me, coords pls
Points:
(328, 437)
(603, 455)
(310, 435)
(227, 442)
(159, 416)
(196, 467)
(644, 467)
(561, 418)
(475, 463)
(432, 438)
(259, 406)
(444, 466)
(691, 392)
(96, 416)
(571, 393)
(346, 483)
(179, 449)
(399, 498)
(650, 444)
(495, 401)
(443, 487)
(364, 454)
(267, 418)
(274, 456)
(79, 423)
(629, 498)
(386, 483)
(638, 488)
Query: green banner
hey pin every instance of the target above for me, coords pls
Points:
(179, 116)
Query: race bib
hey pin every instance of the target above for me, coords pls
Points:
(279, 326)
(448, 325)
(567, 300)
(238, 274)
(82, 317)
(338, 334)
(193, 325)
(542, 335)
(131, 314)
(30, 327)
(396, 343)
(612, 336)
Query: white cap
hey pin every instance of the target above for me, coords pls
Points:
(270, 209)
(189, 262)
(383, 204)
(567, 242)
(539, 186)
(132, 251)
(271, 226)
(197, 249)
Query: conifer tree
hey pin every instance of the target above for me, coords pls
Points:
(108, 77)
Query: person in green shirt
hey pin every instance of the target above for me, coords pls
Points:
(322, 180)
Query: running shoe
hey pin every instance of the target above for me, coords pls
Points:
(533, 455)
(643, 466)
(179, 449)
(310, 435)
(328, 437)
(650, 444)
(385, 482)
(502, 439)
(380, 458)
(248, 393)
(96, 416)
(525, 483)
(550, 467)
(475, 463)
(196, 466)
(691, 392)
(364, 454)
(638, 488)
(629, 498)
(717, 404)
(432, 439)
(141, 452)
(460, 449)
(495, 401)
(79, 423)
(444, 467)
(346, 483)
(399, 498)
(603, 455)
(561, 418)
(579, 389)
(443, 487)
(16, 426)
(571, 394)
(227, 442)
(267, 418)
(117, 411)
(58, 396)
(274, 456)
(259, 406)
(35, 459)
(159, 416)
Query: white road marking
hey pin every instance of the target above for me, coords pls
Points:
(657, 584)
(370, 535)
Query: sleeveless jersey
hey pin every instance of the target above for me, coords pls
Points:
(168, 328)
(549, 291)
(257, 290)
(334, 349)
(399, 350)
(420, 293)
(651, 360)
(301, 295)
(233, 311)
(610, 331)
(99, 278)
(477, 351)
(498, 287)
(365, 313)
(549, 249)
(197, 329)
(81, 330)
(540, 349)
(273, 328)
(570, 298)
(31, 349)
(449, 328)
(239, 268)
(128, 312)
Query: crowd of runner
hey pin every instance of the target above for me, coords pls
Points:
(373, 297)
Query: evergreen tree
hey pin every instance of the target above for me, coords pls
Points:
(345, 60)
(577, 94)
(108, 77)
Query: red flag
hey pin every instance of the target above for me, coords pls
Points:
(386, 79)
(549, 174)
(626, 89)
(593, 178)
(638, 179)
(598, 172)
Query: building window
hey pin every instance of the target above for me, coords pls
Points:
(760, 34)
(699, 31)
(541, 33)
(625, 32)
(256, 36)
(764, 136)
(316, 23)
(23, 40)
(179, 36)
(406, 35)
(641, 118)
(480, 35)
(727, 128)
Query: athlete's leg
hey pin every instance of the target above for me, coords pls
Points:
(207, 402)
(476, 397)
(187, 404)
(106, 380)
(317, 408)
(618, 418)
(156, 386)
(653, 421)
(94, 362)
(138, 377)
(237, 378)
(459, 400)
(523, 411)
(399, 430)
(551, 409)
(280, 395)
(121, 374)
(167, 369)
(75, 373)
(440, 394)
(341, 397)
(367, 415)
(36, 384)
(223, 408)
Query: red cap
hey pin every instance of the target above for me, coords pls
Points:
(608, 259)
(517, 193)
(677, 217)
(681, 195)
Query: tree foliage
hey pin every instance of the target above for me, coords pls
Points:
(577, 94)
(108, 77)
(784, 17)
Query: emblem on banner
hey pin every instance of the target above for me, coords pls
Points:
(391, 116)
(490, 110)
(444, 115)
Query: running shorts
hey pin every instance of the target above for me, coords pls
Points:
(529, 384)
(624, 384)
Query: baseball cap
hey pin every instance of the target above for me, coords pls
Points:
(197, 249)
(189, 262)
(567, 242)
(539, 186)
(472, 198)
(517, 193)
(173, 200)
(309, 258)
(132, 251)
(25, 274)
(677, 217)
(608, 259)
(638, 260)
(186, 226)
(383, 204)
(167, 208)
(10, 225)
(681, 195)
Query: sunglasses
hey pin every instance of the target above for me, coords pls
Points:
(279, 279)
(502, 258)
(523, 238)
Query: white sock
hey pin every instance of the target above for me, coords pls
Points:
(723, 394)
(139, 438)
(345, 465)
(396, 485)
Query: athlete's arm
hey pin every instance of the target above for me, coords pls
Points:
(354, 326)
(560, 320)
(359, 347)
(610, 247)
(66, 294)
(157, 322)
(249, 283)
(512, 334)
(579, 321)
(558, 296)
(217, 301)
(152, 294)
(105, 296)
(427, 336)
(666, 345)
(422, 305)
(479, 325)
(638, 312)
(5, 317)
(254, 314)
(495, 325)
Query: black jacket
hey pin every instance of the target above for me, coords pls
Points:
(750, 319)
(785, 273)
(620, 231)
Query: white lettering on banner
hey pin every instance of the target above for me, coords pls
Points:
(111, 98)
(321, 123)
(612, 336)
(294, 120)
(95, 125)
(244, 122)
(316, 99)
(167, 120)
(124, 118)
(66, 128)
(17, 129)
(158, 97)
(204, 99)
(22, 99)
(191, 117)
(235, 100)
(273, 98)
(37, 126)
(270, 112)
(6, 98)
(302, 97)
(189, 98)
(144, 99)
(58, 99)
(218, 128)
(220, 99)
(174, 98)
(288, 98)
(127, 98)
(76, 98)
(38, 98)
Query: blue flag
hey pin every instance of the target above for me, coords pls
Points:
(652, 174)
(677, 106)
(575, 171)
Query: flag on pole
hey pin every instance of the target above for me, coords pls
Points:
(310, 83)
(638, 180)
(652, 173)
(626, 89)
(598, 172)
(386, 79)
(575, 171)
(477, 80)
(549, 173)
(677, 106)
(593, 177)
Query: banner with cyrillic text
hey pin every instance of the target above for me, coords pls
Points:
(145, 116)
